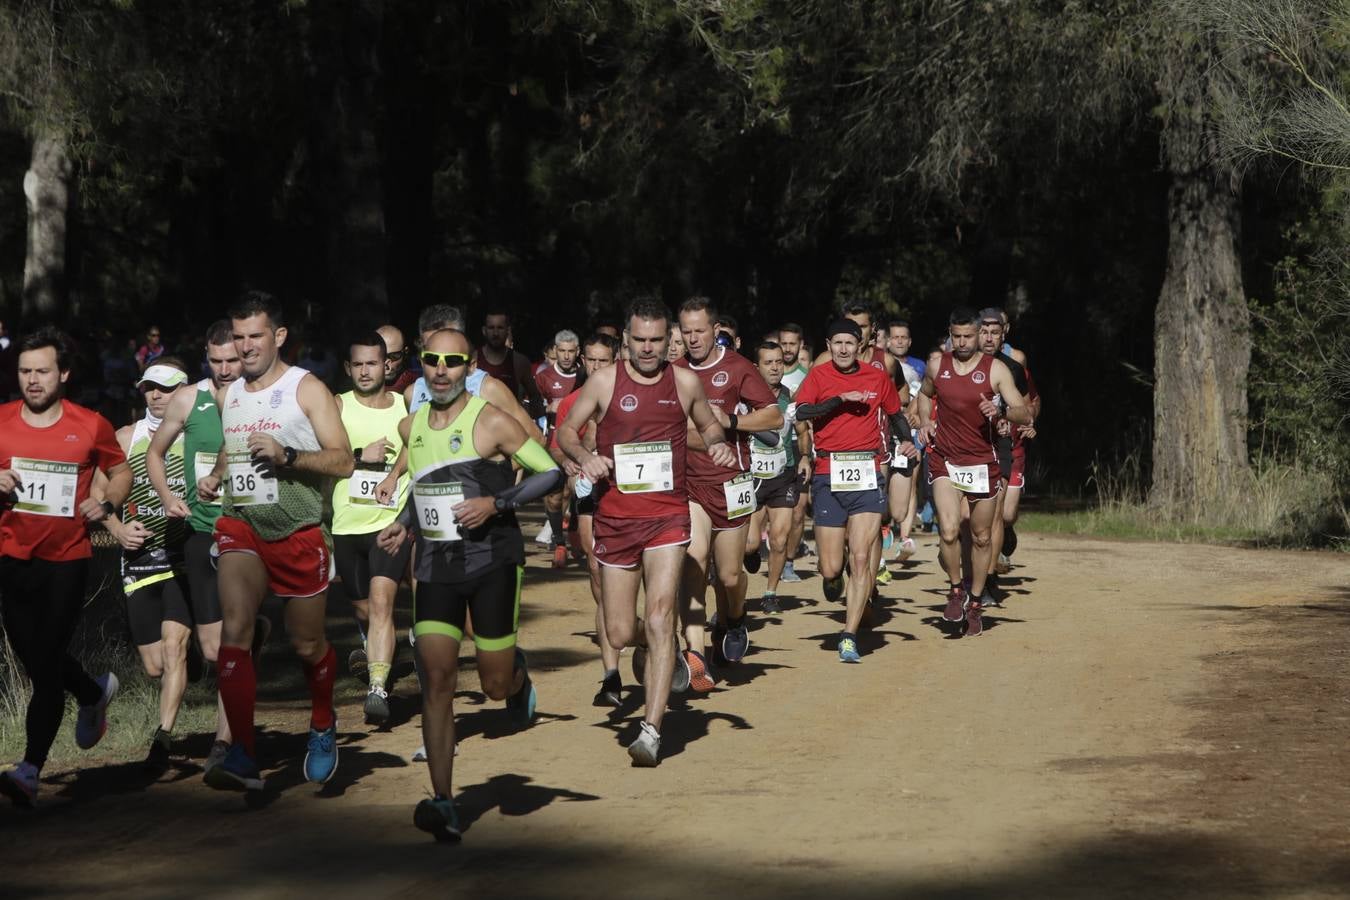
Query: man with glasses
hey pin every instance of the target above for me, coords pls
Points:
(151, 350)
(397, 373)
(470, 554)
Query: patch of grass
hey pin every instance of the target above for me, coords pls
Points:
(132, 718)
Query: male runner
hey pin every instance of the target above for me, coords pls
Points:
(371, 415)
(558, 379)
(796, 363)
(470, 554)
(962, 458)
(852, 408)
(721, 497)
(193, 416)
(508, 366)
(598, 352)
(642, 514)
(780, 472)
(160, 605)
(49, 451)
(397, 373)
(283, 437)
(901, 486)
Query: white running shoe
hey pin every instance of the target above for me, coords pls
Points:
(92, 721)
(545, 535)
(907, 549)
(647, 748)
(20, 784)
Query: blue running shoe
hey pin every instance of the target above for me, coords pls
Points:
(436, 816)
(521, 703)
(735, 643)
(848, 649)
(321, 758)
(789, 574)
(237, 772)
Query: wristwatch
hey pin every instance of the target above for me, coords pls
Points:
(108, 509)
(291, 453)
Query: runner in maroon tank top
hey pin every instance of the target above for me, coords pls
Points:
(721, 498)
(961, 456)
(512, 369)
(642, 511)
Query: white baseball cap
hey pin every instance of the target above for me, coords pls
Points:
(164, 376)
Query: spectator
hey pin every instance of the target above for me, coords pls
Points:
(151, 350)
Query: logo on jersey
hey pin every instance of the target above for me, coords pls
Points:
(234, 404)
(456, 441)
(205, 406)
(977, 376)
(628, 403)
(721, 379)
(417, 441)
(946, 373)
(72, 437)
(276, 399)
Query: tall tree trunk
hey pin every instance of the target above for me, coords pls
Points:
(1202, 338)
(46, 187)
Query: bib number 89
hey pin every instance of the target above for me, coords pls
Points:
(431, 516)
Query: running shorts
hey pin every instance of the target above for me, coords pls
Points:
(937, 468)
(203, 589)
(780, 491)
(833, 508)
(150, 605)
(713, 499)
(491, 597)
(620, 542)
(298, 565)
(360, 559)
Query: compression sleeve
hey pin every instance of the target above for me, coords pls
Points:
(767, 438)
(899, 426)
(534, 457)
(807, 411)
(546, 477)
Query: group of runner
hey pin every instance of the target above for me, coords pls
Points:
(663, 457)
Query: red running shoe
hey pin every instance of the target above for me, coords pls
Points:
(956, 604)
(974, 619)
(559, 556)
(700, 677)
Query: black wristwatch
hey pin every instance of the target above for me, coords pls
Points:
(291, 453)
(108, 509)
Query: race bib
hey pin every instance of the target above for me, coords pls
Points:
(855, 471)
(644, 468)
(435, 504)
(203, 464)
(971, 479)
(361, 487)
(767, 462)
(248, 486)
(47, 489)
(740, 494)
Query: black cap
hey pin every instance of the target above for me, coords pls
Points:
(991, 314)
(843, 326)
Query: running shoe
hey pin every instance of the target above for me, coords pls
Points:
(683, 676)
(238, 772)
(157, 760)
(92, 721)
(20, 784)
(848, 649)
(769, 603)
(321, 754)
(974, 619)
(1004, 565)
(559, 556)
(639, 663)
(521, 703)
(735, 642)
(956, 604)
(752, 562)
(700, 676)
(420, 754)
(834, 588)
(377, 706)
(436, 816)
(646, 750)
(789, 575)
(883, 574)
(611, 688)
(545, 535)
(216, 755)
(357, 663)
(886, 538)
(907, 549)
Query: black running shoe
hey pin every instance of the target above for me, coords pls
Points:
(610, 693)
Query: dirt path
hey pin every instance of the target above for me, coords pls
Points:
(1140, 719)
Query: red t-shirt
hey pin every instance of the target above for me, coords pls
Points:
(554, 384)
(564, 408)
(735, 385)
(851, 426)
(81, 437)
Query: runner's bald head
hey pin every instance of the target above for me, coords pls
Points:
(447, 340)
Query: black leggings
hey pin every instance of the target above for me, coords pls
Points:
(42, 602)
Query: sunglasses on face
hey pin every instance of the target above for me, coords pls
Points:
(396, 355)
(449, 360)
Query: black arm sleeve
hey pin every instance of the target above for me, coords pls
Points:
(767, 438)
(807, 411)
(900, 426)
(530, 489)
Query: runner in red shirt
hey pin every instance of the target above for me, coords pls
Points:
(961, 458)
(850, 405)
(49, 451)
(508, 366)
(555, 380)
(721, 498)
(642, 510)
